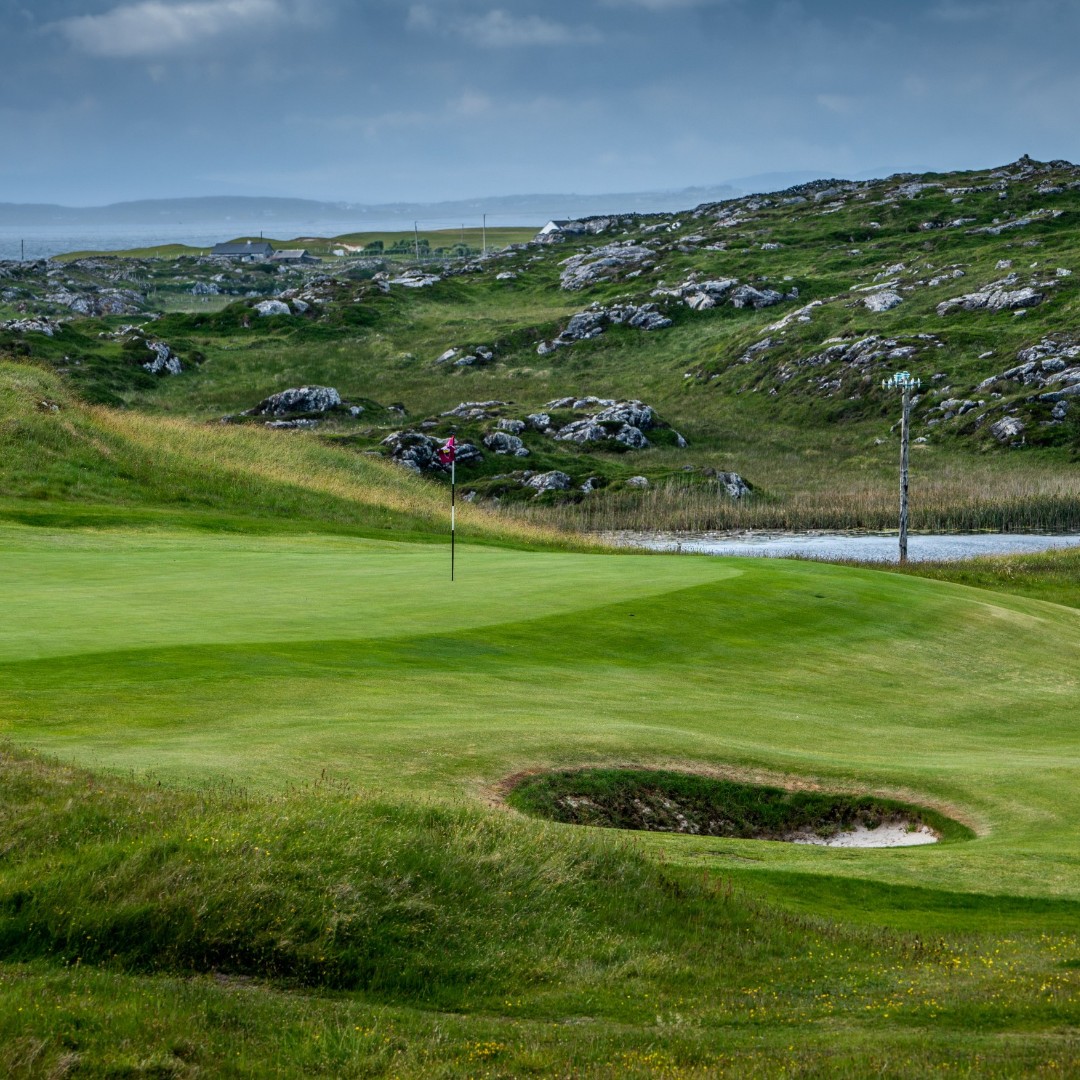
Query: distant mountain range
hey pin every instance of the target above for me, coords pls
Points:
(519, 209)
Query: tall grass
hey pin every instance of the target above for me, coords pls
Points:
(960, 496)
(56, 451)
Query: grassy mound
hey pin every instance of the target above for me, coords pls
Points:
(659, 801)
(326, 888)
(151, 932)
(64, 462)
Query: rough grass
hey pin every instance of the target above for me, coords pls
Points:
(1024, 494)
(1052, 575)
(61, 460)
(145, 931)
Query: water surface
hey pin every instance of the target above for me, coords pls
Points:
(871, 547)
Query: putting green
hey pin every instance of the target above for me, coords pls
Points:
(270, 661)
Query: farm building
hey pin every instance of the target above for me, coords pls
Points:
(244, 251)
(294, 257)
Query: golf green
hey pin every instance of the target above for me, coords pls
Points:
(274, 662)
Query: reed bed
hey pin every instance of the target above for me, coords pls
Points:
(962, 496)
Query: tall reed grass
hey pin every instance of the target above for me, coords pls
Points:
(962, 496)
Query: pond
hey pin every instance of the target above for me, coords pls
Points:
(869, 547)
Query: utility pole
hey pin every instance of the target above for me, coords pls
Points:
(484, 249)
(905, 383)
(416, 238)
(22, 251)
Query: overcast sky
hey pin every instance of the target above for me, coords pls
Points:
(382, 100)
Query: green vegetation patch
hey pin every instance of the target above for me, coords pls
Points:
(657, 801)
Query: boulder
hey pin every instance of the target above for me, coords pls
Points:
(273, 307)
(164, 359)
(502, 443)
(301, 399)
(733, 484)
(747, 296)
(549, 481)
(631, 437)
(420, 453)
(885, 300)
(628, 412)
(582, 431)
(638, 482)
(540, 421)
(1008, 430)
(514, 427)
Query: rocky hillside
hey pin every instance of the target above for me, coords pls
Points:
(767, 321)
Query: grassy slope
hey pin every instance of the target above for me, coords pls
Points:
(64, 462)
(150, 932)
(276, 658)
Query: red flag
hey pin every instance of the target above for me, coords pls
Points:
(448, 453)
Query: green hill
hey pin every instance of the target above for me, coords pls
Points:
(787, 395)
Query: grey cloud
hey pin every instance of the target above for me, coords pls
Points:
(499, 28)
(152, 27)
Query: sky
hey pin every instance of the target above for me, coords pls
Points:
(383, 100)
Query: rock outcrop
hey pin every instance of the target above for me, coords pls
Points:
(1008, 430)
(549, 481)
(882, 301)
(474, 410)
(416, 279)
(592, 323)
(501, 442)
(273, 307)
(622, 422)
(164, 359)
(998, 296)
(420, 453)
(603, 264)
(32, 326)
(300, 399)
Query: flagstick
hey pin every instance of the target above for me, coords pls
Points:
(453, 491)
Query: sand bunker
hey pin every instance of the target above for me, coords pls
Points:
(666, 801)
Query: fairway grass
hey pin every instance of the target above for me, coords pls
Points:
(275, 661)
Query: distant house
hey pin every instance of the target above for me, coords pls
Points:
(559, 227)
(293, 257)
(244, 251)
(554, 227)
